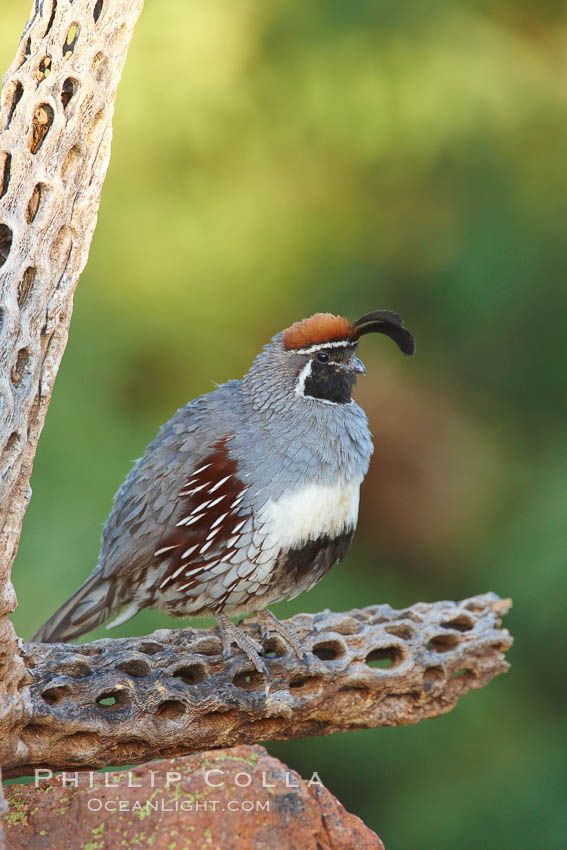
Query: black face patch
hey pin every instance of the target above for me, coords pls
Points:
(328, 381)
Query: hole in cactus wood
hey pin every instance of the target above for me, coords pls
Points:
(71, 39)
(462, 623)
(443, 643)
(328, 650)
(41, 124)
(5, 167)
(113, 699)
(14, 97)
(68, 90)
(54, 695)
(432, 676)
(249, 680)
(52, 17)
(12, 450)
(43, 69)
(71, 162)
(274, 647)
(463, 674)
(76, 669)
(171, 709)
(33, 203)
(100, 66)
(306, 684)
(5, 242)
(138, 668)
(22, 367)
(191, 674)
(402, 631)
(384, 657)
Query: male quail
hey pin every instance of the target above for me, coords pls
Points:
(248, 495)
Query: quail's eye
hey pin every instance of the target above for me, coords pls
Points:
(323, 357)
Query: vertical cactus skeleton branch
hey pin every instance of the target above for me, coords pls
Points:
(55, 130)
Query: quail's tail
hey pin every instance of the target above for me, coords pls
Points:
(89, 606)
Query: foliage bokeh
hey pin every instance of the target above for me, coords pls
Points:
(271, 160)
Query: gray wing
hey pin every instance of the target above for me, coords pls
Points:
(147, 503)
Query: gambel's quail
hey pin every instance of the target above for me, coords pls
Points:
(248, 495)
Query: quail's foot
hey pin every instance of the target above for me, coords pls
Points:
(270, 623)
(230, 633)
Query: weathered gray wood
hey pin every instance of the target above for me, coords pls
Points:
(172, 692)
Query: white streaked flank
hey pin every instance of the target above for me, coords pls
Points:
(219, 520)
(173, 576)
(200, 507)
(194, 489)
(201, 469)
(220, 483)
(164, 549)
(189, 520)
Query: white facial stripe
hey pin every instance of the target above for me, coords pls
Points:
(303, 375)
(341, 343)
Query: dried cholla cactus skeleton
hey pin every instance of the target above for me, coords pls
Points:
(172, 692)
(55, 129)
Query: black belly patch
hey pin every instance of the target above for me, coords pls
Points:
(299, 569)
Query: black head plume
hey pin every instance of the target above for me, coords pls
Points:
(385, 322)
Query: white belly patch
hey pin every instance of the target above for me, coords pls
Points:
(310, 513)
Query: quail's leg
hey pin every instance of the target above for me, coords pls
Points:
(229, 634)
(269, 622)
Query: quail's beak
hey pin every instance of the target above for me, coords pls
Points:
(354, 366)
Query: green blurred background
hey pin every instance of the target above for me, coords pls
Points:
(275, 159)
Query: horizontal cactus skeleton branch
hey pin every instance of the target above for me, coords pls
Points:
(124, 701)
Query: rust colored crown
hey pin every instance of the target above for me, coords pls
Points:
(326, 328)
(322, 327)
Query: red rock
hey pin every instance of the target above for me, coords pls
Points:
(239, 798)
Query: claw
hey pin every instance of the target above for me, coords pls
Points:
(269, 622)
(229, 634)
